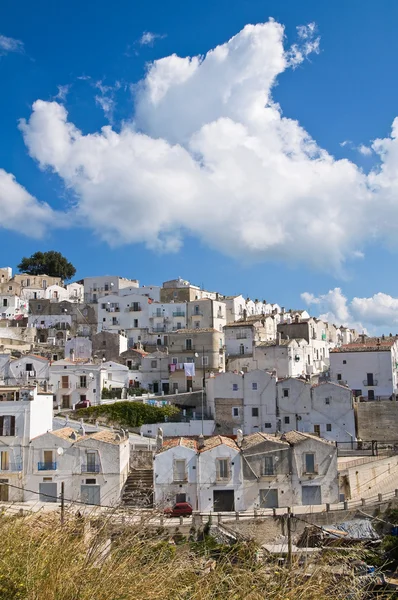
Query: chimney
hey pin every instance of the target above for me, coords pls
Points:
(245, 315)
(201, 441)
(73, 436)
(239, 437)
(159, 439)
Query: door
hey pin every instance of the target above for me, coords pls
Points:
(269, 498)
(65, 401)
(311, 494)
(223, 500)
(181, 498)
(165, 388)
(91, 462)
(4, 490)
(155, 387)
(90, 494)
(4, 460)
(317, 430)
(48, 459)
(65, 380)
(48, 492)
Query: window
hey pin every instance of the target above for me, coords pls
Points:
(180, 470)
(91, 481)
(197, 324)
(82, 398)
(29, 367)
(254, 386)
(44, 284)
(328, 427)
(344, 362)
(5, 303)
(39, 307)
(196, 310)
(309, 463)
(327, 400)
(104, 343)
(154, 364)
(129, 364)
(371, 394)
(114, 321)
(188, 344)
(28, 282)
(287, 420)
(190, 359)
(267, 425)
(369, 377)
(268, 466)
(10, 288)
(103, 306)
(83, 381)
(235, 411)
(234, 387)
(339, 378)
(285, 393)
(136, 306)
(7, 425)
(205, 361)
(254, 411)
(223, 468)
(135, 323)
(106, 287)
(174, 361)
(220, 343)
(241, 349)
(4, 461)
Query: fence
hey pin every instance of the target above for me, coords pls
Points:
(367, 448)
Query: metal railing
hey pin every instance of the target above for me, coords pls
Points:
(366, 448)
(90, 468)
(367, 383)
(178, 314)
(46, 466)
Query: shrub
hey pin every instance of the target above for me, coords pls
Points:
(129, 414)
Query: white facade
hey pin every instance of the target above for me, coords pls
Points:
(78, 348)
(24, 415)
(93, 467)
(75, 292)
(57, 293)
(11, 305)
(97, 287)
(371, 371)
(29, 369)
(172, 478)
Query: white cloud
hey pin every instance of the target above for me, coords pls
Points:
(8, 44)
(148, 38)
(365, 150)
(63, 91)
(377, 314)
(20, 211)
(209, 153)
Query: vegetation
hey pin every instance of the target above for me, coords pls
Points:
(129, 414)
(117, 392)
(47, 263)
(84, 560)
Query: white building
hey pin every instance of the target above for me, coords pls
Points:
(93, 467)
(24, 415)
(257, 471)
(75, 292)
(78, 348)
(29, 369)
(368, 366)
(57, 293)
(11, 305)
(73, 382)
(97, 287)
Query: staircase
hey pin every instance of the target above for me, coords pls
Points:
(138, 489)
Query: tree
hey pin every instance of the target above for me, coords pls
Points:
(49, 263)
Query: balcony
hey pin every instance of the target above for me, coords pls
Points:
(367, 383)
(46, 466)
(178, 328)
(91, 468)
(198, 313)
(11, 467)
(7, 431)
(82, 385)
(134, 309)
(180, 478)
(158, 329)
(178, 314)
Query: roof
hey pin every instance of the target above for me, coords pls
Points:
(106, 436)
(259, 438)
(368, 344)
(181, 441)
(248, 322)
(296, 437)
(65, 434)
(217, 440)
(270, 343)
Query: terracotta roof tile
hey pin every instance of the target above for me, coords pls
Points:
(217, 440)
(180, 441)
(259, 438)
(296, 437)
(65, 434)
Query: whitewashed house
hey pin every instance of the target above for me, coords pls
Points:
(75, 292)
(92, 466)
(103, 285)
(176, 472)
(29, 369)
(11, 306)
(78, 348)
(57, 293)
(368, 366)
(24, 415)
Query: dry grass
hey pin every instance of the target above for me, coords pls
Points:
(40, 560)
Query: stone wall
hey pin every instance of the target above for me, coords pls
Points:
(377, 420)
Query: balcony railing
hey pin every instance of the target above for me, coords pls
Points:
(178, 314)
(197, 314)
(133, 309)
(46, 466)
(179, 477)
(90, 468)
(372, 383)
(12, 466)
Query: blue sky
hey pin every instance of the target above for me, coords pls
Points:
(344, 91)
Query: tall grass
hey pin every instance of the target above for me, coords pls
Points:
(42, 560)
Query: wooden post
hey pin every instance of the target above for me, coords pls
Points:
(62, 502)
(289, 537)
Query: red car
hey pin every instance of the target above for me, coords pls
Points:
(82, 404)
(180, 509)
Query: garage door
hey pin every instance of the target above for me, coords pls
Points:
(311, 494)
(223, 500)
(268, 498)
(90, 494)
(48, 492)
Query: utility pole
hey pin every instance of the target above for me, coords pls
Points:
(62, 502)
(203, 385)
(289, 537)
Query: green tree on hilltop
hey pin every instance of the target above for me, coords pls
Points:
(49, 263)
